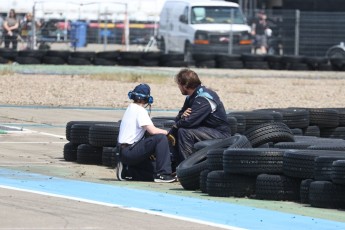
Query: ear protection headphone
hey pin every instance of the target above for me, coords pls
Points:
(139, 96)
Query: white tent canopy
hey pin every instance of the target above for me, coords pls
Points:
(145, 10)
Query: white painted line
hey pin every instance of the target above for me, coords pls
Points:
(127, 208)
(46, 134)
(21, 131)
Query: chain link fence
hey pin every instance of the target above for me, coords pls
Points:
(306, 33)
(294, 32)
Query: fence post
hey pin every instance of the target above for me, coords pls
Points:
(297, 26)
(231, 31)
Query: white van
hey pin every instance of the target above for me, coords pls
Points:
(203, 26)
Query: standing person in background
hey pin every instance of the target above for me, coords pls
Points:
(11, 26)
(202, 116)
(259, 26)
(142, 157)
(1, 29)
(26, 29)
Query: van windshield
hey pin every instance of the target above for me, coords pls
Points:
(216, 15)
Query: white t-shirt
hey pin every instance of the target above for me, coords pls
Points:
(132, 121)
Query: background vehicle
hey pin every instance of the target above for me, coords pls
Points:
(337, 51)
(203, 26)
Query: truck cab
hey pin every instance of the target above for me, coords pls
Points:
(204, 26)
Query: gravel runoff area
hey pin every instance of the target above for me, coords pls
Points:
(91, 86)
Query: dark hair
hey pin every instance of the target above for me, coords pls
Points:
(187, 78)
(14, 13)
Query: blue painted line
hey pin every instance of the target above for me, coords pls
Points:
(198, 209)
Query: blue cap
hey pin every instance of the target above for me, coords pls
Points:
(142, 89)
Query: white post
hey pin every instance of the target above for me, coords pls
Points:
(126, 27)
(33, 28)
(297, 32)
(231, 33)
(105, 37)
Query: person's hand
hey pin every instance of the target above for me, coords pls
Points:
(10, 33)
(171, 139)
(186, 113)
(172, 135)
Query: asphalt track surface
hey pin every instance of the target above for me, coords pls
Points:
(39, 190)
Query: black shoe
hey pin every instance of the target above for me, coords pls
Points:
(162, 178)
(120, 171)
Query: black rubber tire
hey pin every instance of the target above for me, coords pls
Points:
(70, 151)
(324, 118)
(338, 172)
(203, 180)
(269, 132)
(323, 166)
(215, 159)
(53, 60)
(253, 161)
(78, 61)
(104, 135)
(108, 55)
(28, 60)
(88, 154)
(241, 122)
(223, 184)
(202, 144)
(253, 118)
(188, 171)
(301, 163)
(292, 145)
(304, 191)
(277, 187)
(103, 61)
(325, 194)
(109, 157)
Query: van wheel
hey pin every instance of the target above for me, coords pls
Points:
(187, 52)
(336, 53)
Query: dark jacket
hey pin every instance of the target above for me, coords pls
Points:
(202, 113)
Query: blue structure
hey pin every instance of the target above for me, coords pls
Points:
(78, 34)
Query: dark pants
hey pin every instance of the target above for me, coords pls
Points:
(138, 155)
(186, 138)
(11, 39)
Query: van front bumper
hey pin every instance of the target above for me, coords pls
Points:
(221, 49)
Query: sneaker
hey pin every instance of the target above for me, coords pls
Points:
(161, 178)
(120, 171)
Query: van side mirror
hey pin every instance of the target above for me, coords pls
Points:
(183, 18)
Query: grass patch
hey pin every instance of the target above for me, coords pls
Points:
(130, 77)
(6, 71)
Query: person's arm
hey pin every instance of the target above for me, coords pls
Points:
(253, 28)
(183, 109)
(151, 129)
(6, 27)
(200, 109)
(15, 26)
(38, 24)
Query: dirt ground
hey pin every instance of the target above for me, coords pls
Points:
(238, 89)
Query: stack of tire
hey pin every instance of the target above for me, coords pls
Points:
(201, 60)
(268, 160)
(95, 142)
(91, 142)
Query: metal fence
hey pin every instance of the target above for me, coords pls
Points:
(307, 33)
(295, 32)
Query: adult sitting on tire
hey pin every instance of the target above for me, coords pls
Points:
(202, 116)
